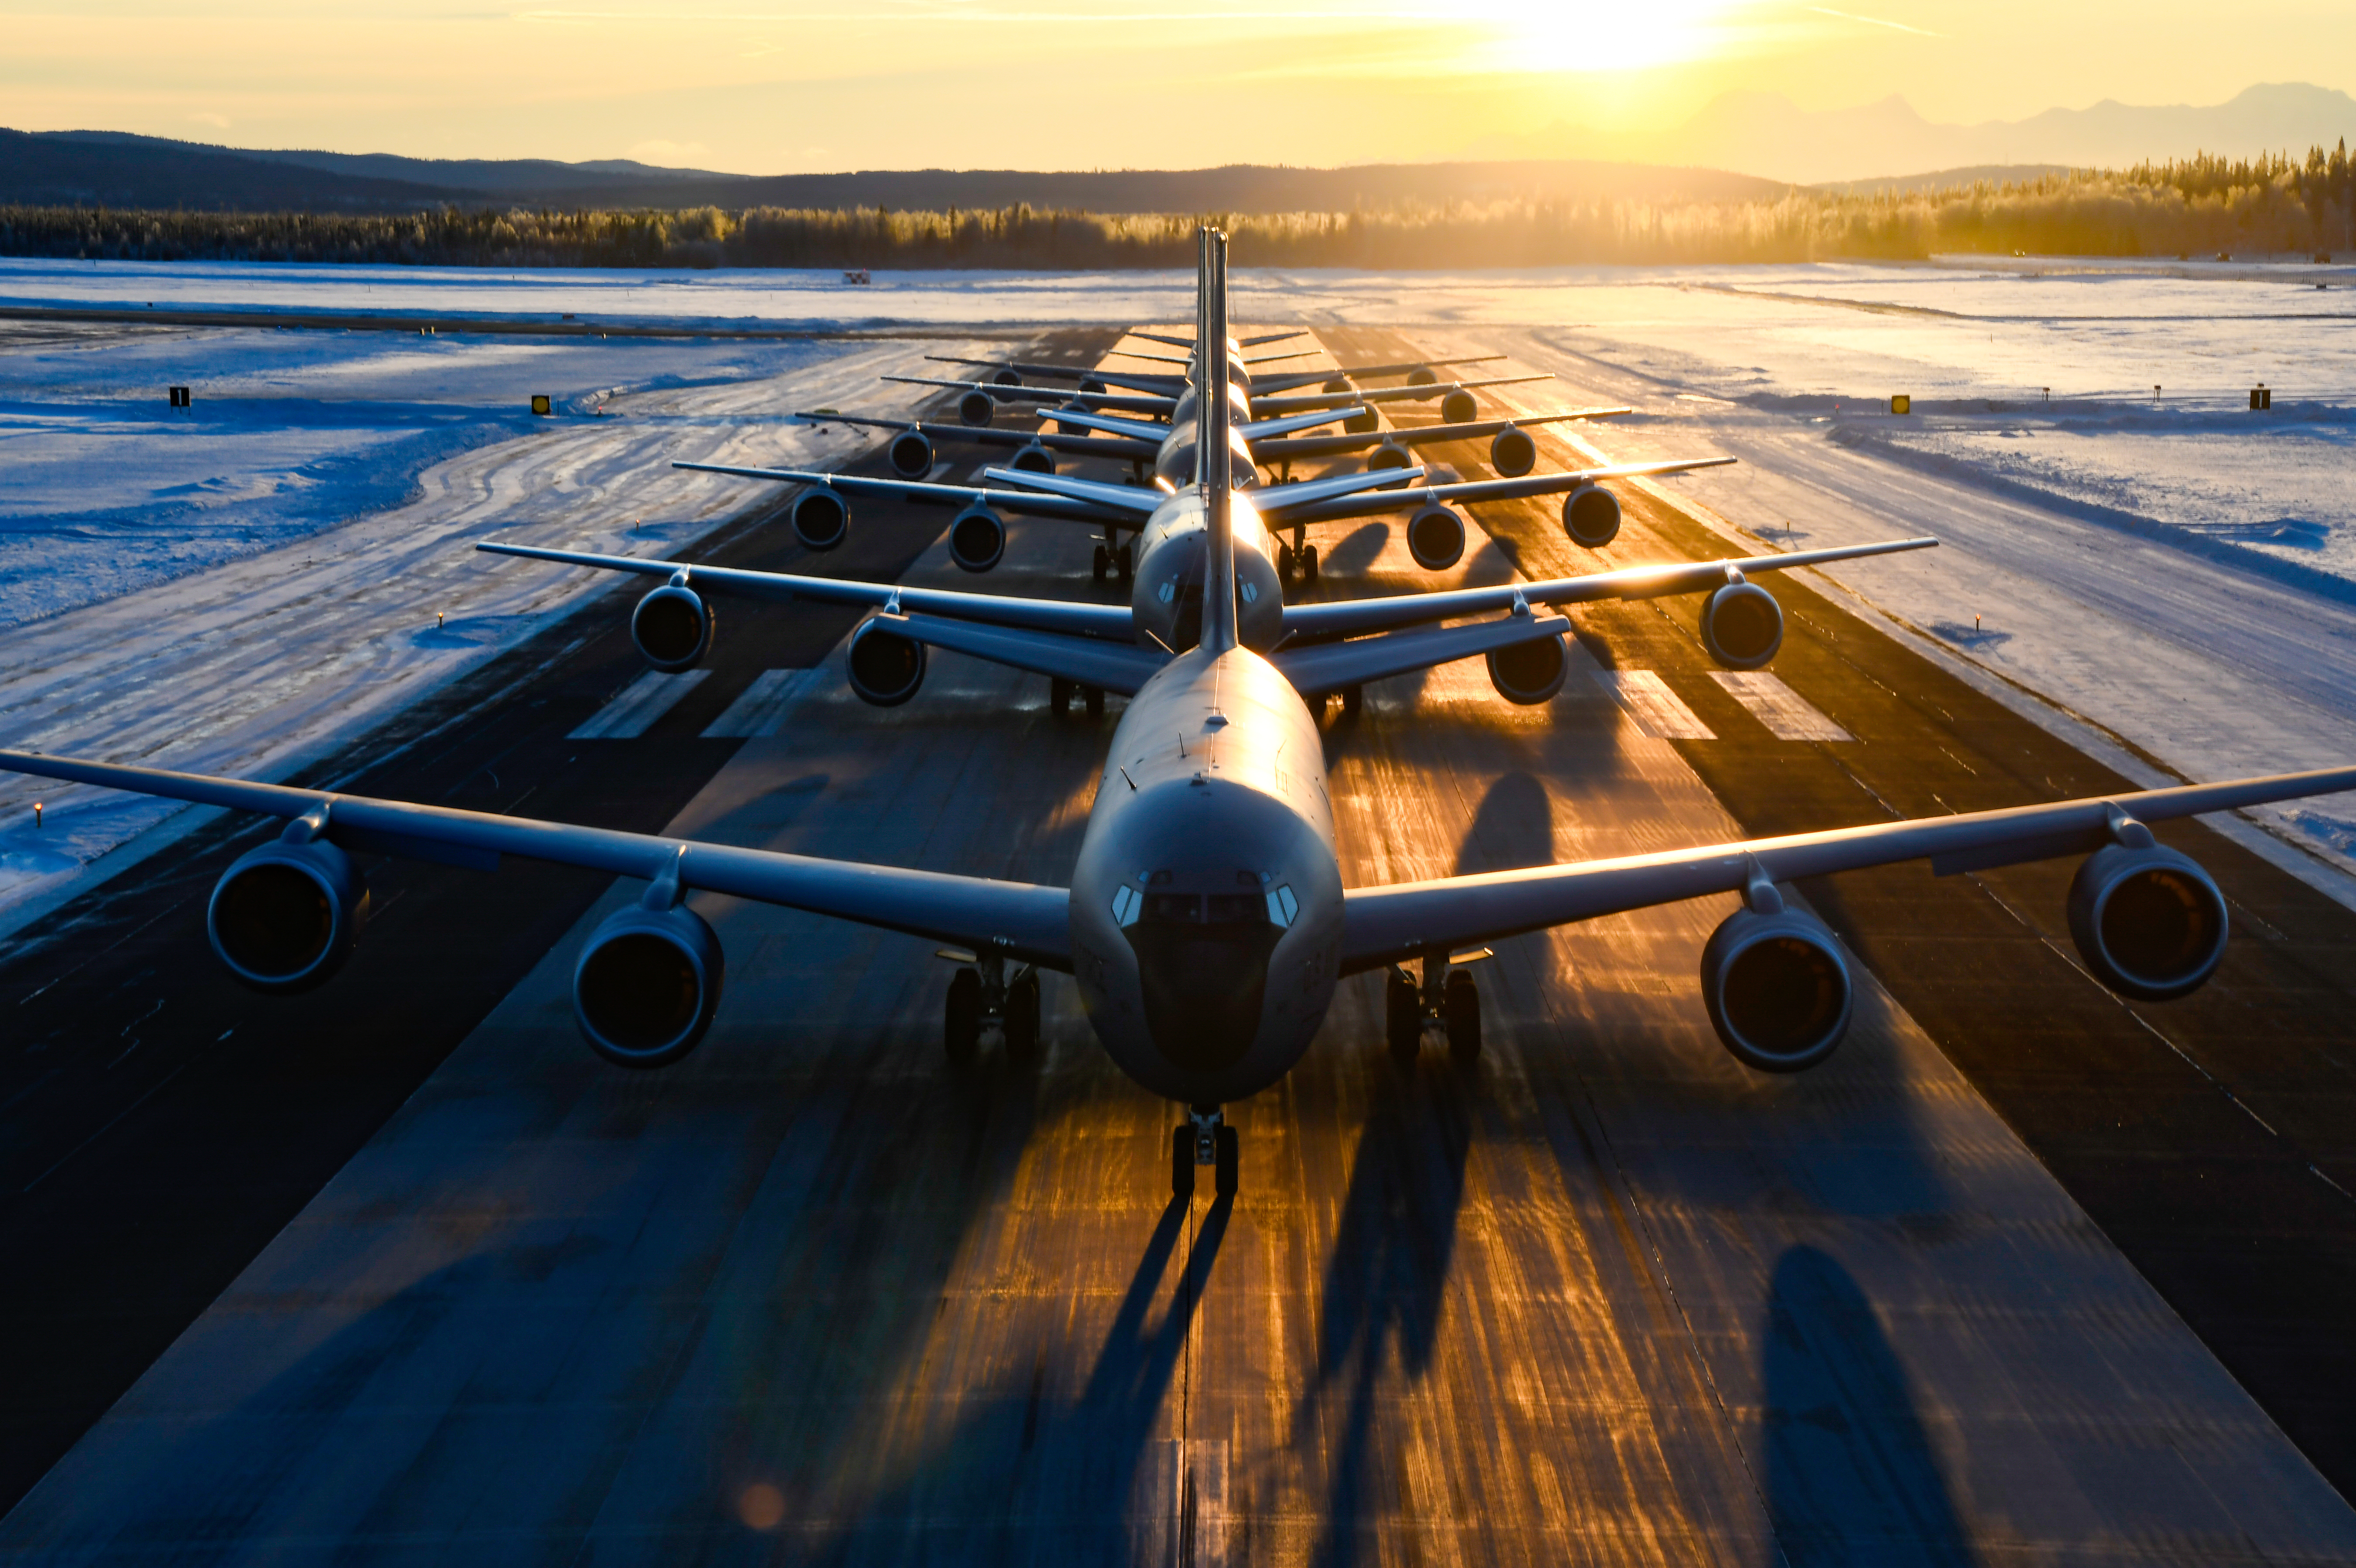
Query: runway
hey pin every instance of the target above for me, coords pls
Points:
(814, 1297)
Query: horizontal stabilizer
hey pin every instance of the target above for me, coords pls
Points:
(1087, 660)
(1334, 666)
(1134, 497)
(1032, 503)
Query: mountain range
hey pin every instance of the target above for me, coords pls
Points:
(1767, 135)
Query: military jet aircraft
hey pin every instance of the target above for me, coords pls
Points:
(1207, 925)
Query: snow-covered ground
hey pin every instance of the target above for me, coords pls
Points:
(268, 653)
(2175, 569)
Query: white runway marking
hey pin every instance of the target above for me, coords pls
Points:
(1658, 711)
(761, 710)
(1777, 706)
(642, 702)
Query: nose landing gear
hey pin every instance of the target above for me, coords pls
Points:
(1446, 997)
(1205, 1138)
(985, 994)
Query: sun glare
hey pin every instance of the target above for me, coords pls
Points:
(1587, 35)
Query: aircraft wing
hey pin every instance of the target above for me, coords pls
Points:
(1307, 446)
(1260, 429)
(1022, 920)
(1391, 925)
(1138, 403)
(1295, 379)
(1111, 621)
(1376, 503)
(1031, 503)
(1354, 618)
(989, 435)
(1416, 394)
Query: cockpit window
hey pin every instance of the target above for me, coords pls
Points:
(1282, 907)
(1126, 903)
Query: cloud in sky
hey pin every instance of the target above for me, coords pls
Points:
(763, 86)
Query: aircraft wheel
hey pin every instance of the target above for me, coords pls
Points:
(1101, 564)
(1126, 560)
(1182, 1162)
(961, 1026)
(1309, 564)
(1021, 1022)
(1230, 1163)
(1096, 701)
(1402, 1017)
(1460, 1007)
(1285, 567)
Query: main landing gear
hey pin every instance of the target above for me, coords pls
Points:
(1446, 997)
(1297, 561)
(1205, 1138)
(1109, 560)
(982, 994)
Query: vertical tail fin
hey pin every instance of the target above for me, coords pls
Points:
(1215, 466)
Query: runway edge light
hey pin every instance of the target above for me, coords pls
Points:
(540, 403)
(1902, 404)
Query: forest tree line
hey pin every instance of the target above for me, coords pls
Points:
(2270, 206)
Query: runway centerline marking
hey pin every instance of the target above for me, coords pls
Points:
(1658, 710)
(642, 702)
(1787, 715)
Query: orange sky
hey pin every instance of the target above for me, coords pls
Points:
(762, 86)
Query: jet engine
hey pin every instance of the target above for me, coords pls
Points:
(1033, 458)
(1512, 453)
(1527, 674)
(1366, 422)
(1423, 376)
(885, 668)
(1074, 407)
(822, 518)
(1460, 406)
(1776, 986)
(284, 917)
(647, 984)
(1389, 454)
(1093, 387)
(977, 538)
(1741, 625)
(1590, 515)
(672, 628)
(911, 454)
(1006, 378)
(2146, 920)
(1338, 384)
(976, 408)
(1435, 537)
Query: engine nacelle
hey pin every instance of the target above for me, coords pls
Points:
(1006, 378)
(978, 539)
(1741, 625)
(885, 668)
(1032, 458)
(1435, 537)
(647, 984)
(1074, 407)
(1366, 422)
(910, 454)
(1512, 453)
(1460, 406)
(1423, 376)
(976, 408)
(1389, 454)
(821, 518)
(2147, 920)
(1777, 988)
(1530, 673)
(1339, 384)
(284, 917)
(1093, 387)
(1590, 515)
(672, 628)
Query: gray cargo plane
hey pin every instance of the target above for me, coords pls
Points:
(1207, 925)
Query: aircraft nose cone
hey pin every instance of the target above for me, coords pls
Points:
(1204, 986)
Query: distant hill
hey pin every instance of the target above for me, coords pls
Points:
(92, 168)
(1766, 134)
(1945, 179)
